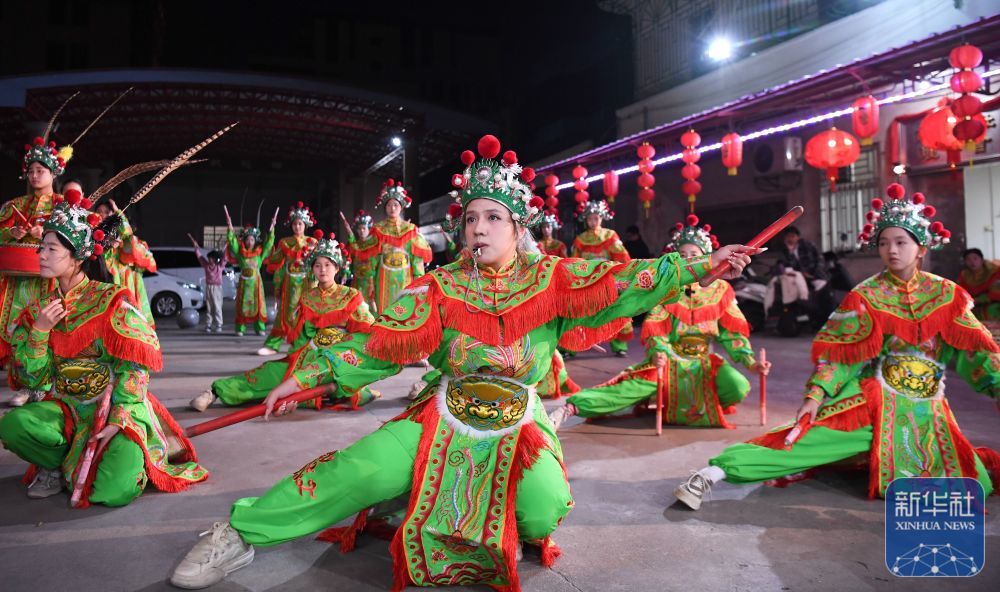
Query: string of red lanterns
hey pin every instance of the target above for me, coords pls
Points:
(965, 82)
(691, 171)
(551, 193)
(646, 152)
(580, 184)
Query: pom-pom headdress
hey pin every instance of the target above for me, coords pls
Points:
(72, 220)
(552, 220)
(913, 215)
(362, 220)
(303, 213)
(393, 190)
(503, 181)
(599, 207)
(330, 248)
(689, 233)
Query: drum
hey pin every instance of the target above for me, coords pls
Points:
(19, 259)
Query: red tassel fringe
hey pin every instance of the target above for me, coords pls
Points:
(550, 552)
(991, 460)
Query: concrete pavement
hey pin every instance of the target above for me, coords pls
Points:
(624, 534)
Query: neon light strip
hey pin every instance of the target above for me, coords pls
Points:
(784, 128)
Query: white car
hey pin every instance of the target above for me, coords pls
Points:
(168, 294)
(181, 262)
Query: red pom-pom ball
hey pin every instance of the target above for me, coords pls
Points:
(85, 203)
(455, 210)
(877, 204)
(468, 157)
(929, 211)
(707, 228)
(509, 157)
(73, 197)
(679, 226)
(98, 249)
(318, 233)
(38, 141)
(390, 182)
(945, 233)
(52, 144)
(918, 198)
(93, 219)
(489, 146)
(98, 235)
(895, 191)
(27, 147)
(937, 227)
(867, 228)
(299, 205)
(528, 174)
(692, 220)
(536, 202)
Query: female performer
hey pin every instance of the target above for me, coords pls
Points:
(364, 251)
(286, 263)
(403, 252)
(251, 308)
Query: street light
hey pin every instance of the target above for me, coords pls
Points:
(397, 141)
(720, 49)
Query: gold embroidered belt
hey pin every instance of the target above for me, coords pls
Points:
(486, 403)
(691, 346)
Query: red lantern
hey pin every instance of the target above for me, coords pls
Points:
(965, 57)
(967, 107)
(580, 184)
(646, 180)
(864, 119)
(611, 186)
(552, 192)
(935, 132)
(690, 140)
(732, 152)
(830, 150)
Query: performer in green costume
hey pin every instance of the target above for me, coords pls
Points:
(128, 258)
(326, 314)
(476, 454)
(878, 387)
(98, 432)
(251, 308)
(286, 263)
(602, 244)
(403, 252)
(364, 251)
(699, 386)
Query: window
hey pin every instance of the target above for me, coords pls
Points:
(214, 237)
(842, 212)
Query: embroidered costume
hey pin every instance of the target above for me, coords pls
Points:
(127, 262)
(475, 452)
(403, 252)
(603, 244)
(95, 363)
(286, 263)
(984, 287)
(364, 254)
(251, 308)
(880, 365)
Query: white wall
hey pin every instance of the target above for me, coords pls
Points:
(982, 208)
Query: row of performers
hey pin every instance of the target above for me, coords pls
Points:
(490, 323)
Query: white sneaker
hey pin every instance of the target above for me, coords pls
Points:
(691, 492)
(260, 332)
(212, 558)
(203, 401)
(560, 415)
(266, 351)
(47, 482)
(415, 389)
(239, 333)
(208, 329)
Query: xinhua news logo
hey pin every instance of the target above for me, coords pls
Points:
(935, 527)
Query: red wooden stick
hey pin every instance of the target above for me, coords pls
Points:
(763, 389)
(757, 241)
(252, 412)
(801, 427)
(659, 401)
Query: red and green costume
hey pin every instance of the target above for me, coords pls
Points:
(251, 308)
(553, 246)
(603, 244)
(984, 287)
(103, 345)
(287, 265)
(402, 254)
(880, 366)
(476, 449)
(698, 383)
(364, 258)
(18, 290)
(324, 317)
(127, 264)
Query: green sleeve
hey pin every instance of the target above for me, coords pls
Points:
(829, 378)
(657, 344)
(124, 229)
(344, 363)
(35, 362)
(268, 246)
(7, 213)
(981, 369)
(234, 246)
(737, 346)
(644, 283)
(307, 333)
